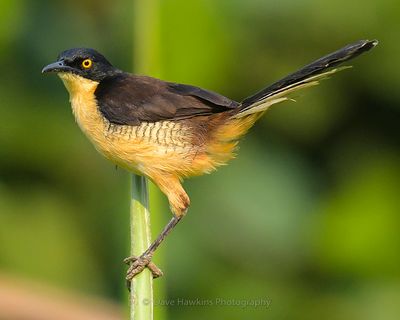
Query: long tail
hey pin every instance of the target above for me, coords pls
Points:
(308, 76)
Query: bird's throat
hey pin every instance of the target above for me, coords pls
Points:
(76, 84)
(84, 106)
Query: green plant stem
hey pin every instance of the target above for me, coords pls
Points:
(141, 285)
(146, 35)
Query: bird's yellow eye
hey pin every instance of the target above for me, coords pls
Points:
(87, 63)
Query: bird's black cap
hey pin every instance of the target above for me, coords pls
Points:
(84, 62)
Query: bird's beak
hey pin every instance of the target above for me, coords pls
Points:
(58, 66)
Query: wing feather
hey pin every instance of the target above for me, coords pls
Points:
(126, 99)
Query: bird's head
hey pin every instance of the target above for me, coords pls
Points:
(81, 65)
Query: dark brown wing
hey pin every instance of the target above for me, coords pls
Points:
(129, 100)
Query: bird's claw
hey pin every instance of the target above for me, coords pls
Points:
(137, 265)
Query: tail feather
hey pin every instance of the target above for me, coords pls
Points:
(308, 76)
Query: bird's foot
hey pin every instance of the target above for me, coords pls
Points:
(137, 265)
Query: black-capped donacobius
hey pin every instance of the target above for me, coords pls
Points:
(169, 131)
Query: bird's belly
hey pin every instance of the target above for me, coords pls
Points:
(146, 147)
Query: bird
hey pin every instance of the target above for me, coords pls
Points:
(168, 131)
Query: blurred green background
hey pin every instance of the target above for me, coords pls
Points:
(307, 216)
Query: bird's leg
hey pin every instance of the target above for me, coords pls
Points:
(137, 264)
(179, 202)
